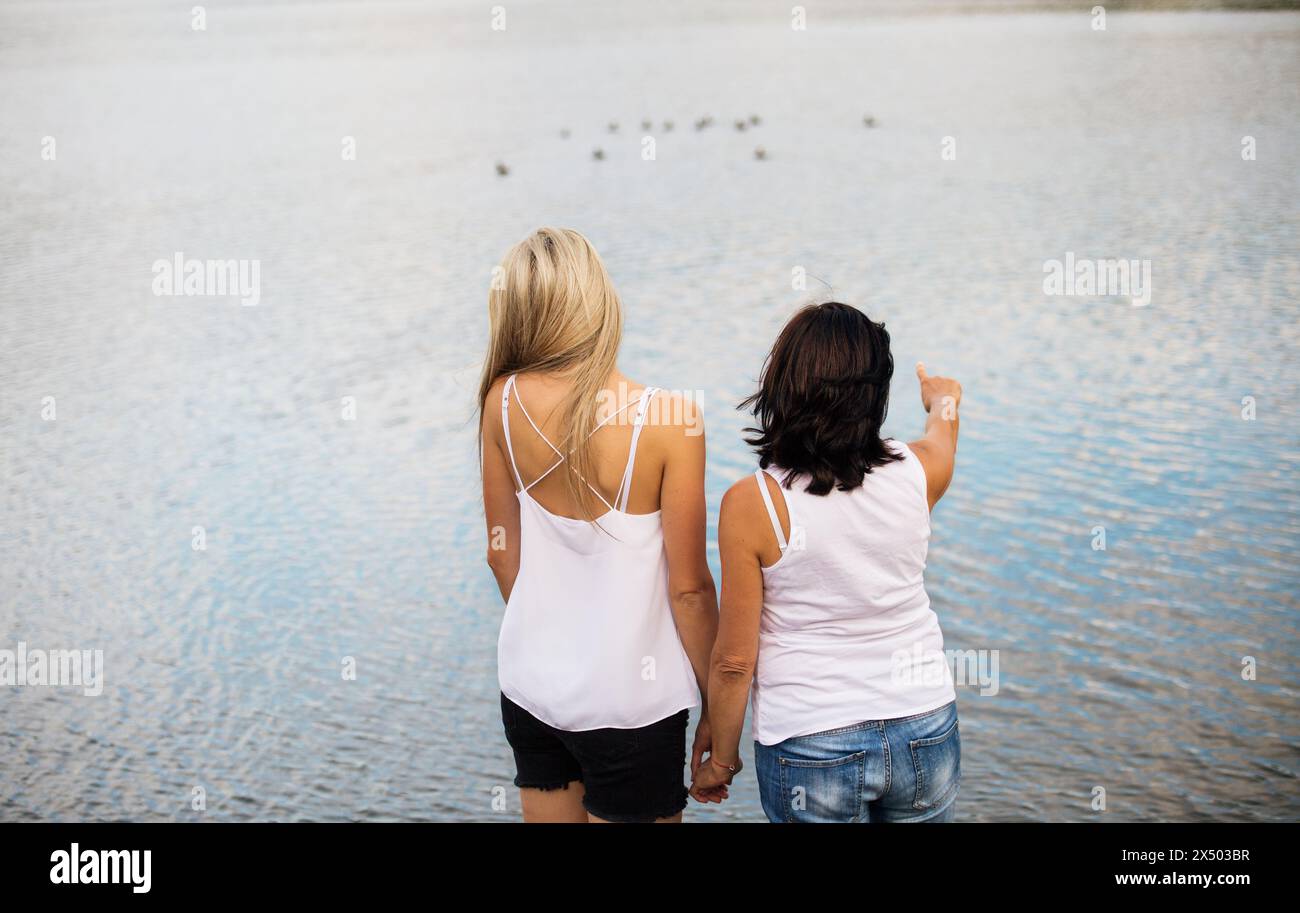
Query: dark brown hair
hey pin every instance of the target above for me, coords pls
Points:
(822, 398)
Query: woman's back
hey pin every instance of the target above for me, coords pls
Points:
(588, 639)
(856, 567)
(543, 397)
(847, 627)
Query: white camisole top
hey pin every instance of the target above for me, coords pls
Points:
(588, 640)
(847, 633)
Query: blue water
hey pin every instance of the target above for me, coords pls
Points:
(328, 538)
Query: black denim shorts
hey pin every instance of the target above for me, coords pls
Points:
(628, 774)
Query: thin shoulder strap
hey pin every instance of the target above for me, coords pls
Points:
(556, 450)
(625, 487)
(619, 411)
(505, 426)
(505, 420)
(771, 510)
(547, 441)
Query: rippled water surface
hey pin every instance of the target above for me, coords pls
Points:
(329, 538)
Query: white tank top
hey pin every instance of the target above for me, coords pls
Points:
(588, 640)
(847, 633)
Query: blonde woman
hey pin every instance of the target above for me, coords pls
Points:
(593, 490)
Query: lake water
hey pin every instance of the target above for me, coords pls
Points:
(329, 538)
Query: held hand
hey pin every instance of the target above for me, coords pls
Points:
(710, 782)
(940, 392)
(703, 743)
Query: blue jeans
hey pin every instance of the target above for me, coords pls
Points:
(903, 770)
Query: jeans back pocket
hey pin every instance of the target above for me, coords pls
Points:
(822, 791)
(938, 767)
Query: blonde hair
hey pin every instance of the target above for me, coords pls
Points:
(552, 307)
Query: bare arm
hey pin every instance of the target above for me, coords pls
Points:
(500, 504)
(747, 544)
(743, 528)
(684, 515)
(937, 449)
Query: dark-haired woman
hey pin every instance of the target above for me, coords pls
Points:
(824, 606)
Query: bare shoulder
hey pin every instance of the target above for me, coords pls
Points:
(743, 502)
(491, 419)
(933, 457)
(494, 391)
(921, 449)
(742, 495)
(677, 409)
(675, 422)
(743, 522)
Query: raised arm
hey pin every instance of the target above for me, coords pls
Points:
(937, 450)
(691, 592)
